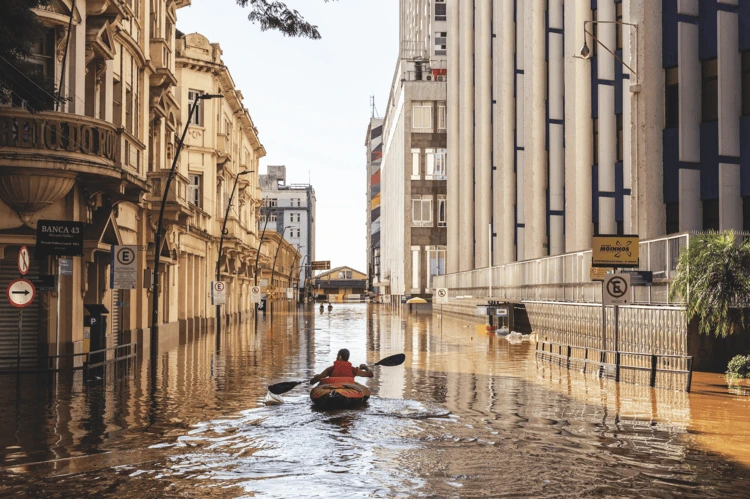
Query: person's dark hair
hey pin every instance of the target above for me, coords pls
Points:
(344, 354)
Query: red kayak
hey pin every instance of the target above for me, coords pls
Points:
(339, 393)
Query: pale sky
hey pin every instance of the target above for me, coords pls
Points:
(310, 100)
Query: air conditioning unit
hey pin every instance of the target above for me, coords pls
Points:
(429, 78)
(441, 78)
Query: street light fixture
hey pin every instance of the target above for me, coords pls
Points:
(586, 52)
(160, 225)
(221, 242)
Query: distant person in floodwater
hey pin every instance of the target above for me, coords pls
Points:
(342, 368)
(322, 307)
(330, 307)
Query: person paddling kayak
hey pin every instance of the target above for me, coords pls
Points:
(342, 368)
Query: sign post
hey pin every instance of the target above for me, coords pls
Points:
(20, 294)
(218, 293)
(123, 267)
(255, 294)
(321, 265)
(615, 291)
(441, 298)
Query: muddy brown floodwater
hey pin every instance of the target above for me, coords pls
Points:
(468, 415)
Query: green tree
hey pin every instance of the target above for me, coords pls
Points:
(713, 276)
(21, 80)
(275, 15)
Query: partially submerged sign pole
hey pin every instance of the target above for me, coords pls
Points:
(616, 252)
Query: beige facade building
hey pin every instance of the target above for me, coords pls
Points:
(102, 159)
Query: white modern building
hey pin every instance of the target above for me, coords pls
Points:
(414, 160)
(289, 209)
(642, 132)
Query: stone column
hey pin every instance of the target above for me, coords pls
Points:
(504, 76)
(556, 99)
(578, 132)
(453, 110)
(466, 136)
(607, 135)
(483, 130)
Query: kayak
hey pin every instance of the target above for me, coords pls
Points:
(339, 393)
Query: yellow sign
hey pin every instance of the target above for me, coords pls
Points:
(615, 251)
(599, 273)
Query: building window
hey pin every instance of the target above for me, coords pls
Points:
(440, 42)
(442, 116)
(710, 90)
(415, 268)
(198, 113)
(442, 220)
(421, 211)
(711, 214)
(291, 217)
(673, 218)
(272, 217)
(618, 27)
(195, 194)
(435, 262)
(620, 145)
(422, 116)
(672, 99)
(415, 170)
(435, 162)
(746, 83)
(345, 274)
(440, 10)
(271, 202)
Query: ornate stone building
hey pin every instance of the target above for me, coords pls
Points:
(102, 159)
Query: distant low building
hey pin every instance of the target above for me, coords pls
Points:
(341, 284)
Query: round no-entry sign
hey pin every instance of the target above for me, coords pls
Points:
(23, 260)
(20, 293)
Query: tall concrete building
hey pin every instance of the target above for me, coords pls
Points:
(374, 147)
(414, 165)
(289, 209)
(639, 133)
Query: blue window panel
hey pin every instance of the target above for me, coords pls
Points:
(709, 164)
(744, 20)
(745, 152)
(595, 194)
(707, 27)
(671, 142)
(618, 83)
(669, 33)
(619, 191)
(594, 89)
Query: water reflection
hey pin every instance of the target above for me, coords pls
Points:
(467, 414)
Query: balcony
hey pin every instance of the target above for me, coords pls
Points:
(177, 210)
(43, 155)
(224, 147)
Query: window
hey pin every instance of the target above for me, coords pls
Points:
(710, 90)
(673, 217)
(198, 113)
(415, 268)
(272, 217)
(291, 217)
(435, 160)
(619, 138)
(596, 141)
(442, 116)
(440, 43)
(422, 116)
(711, 214)
(672, 99)
(440, 10)
(421, 211)
(271, 202)
(195, 194)
(435, 262)
(415, 169)
(129, 110)
(618, 27)
(746, 83)
(441, 221)
(345, 274)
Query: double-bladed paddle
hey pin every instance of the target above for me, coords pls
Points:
(393, 360)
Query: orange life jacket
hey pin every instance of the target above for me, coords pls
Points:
(342, 369)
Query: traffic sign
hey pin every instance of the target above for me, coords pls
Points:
(598, 273)
(615, 251)
(66, 266)
(23, 260)
(616, 289)
(321, 265)
(43, 282)
(123, 273)
(289, 293)
(20, 293)
(255, 295)
(218, 293)
(441, 296)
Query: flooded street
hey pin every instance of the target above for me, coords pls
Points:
(468, 415)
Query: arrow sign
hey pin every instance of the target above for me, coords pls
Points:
(20, 293)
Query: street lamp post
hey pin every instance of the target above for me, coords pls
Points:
(160, 225)
(221, 243)
(273, 268)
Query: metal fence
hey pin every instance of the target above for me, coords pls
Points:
(69, 362)
(567, 277)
